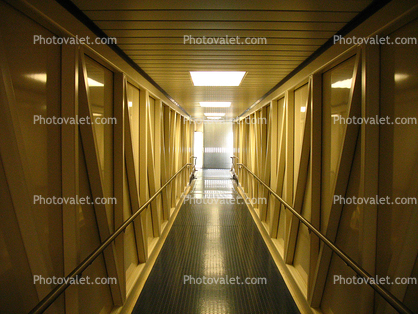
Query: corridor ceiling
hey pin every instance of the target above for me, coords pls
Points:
(151, 32)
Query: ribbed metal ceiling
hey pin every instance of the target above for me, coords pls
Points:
(152, 34)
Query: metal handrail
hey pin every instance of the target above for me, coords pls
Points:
(57, 291)
(194, 159)
(192, 176)
(232, 157)
(387, 295)
(234, 175)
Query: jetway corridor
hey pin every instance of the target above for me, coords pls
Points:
(197, 156)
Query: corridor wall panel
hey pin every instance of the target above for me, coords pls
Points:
(31, 158)
(109, 156)
(397, 224)
(343, 161)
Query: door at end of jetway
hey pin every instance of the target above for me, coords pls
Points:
(218, 145)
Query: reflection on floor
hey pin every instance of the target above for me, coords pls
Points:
(214, 239)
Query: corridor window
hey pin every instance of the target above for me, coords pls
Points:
(336, 92)
(301, 98)
(398, 164)
(100, 85)
(133, 106)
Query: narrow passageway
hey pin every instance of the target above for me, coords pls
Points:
(214, 238)
(108, 107)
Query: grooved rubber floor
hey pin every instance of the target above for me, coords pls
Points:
(215, 239)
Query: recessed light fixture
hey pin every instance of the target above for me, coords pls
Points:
(215, 104)
(211, 114)
(213, 118)
(217, 78)
(302, 109)
(342, 84)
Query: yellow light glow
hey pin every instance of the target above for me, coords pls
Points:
(400, 77)
(342, 84)
(93, 83)
(39, 77)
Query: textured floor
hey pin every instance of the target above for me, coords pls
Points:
(213, 238)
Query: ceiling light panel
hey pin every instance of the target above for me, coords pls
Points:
(217, 78)
(214, 114)
(218, 104)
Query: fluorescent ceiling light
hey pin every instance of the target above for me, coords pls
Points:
(217, 78)
(215, 104)
(92, 82)
(342, 84)
(214, 114)
(129, 103)
(214, 118)
(302, 109)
